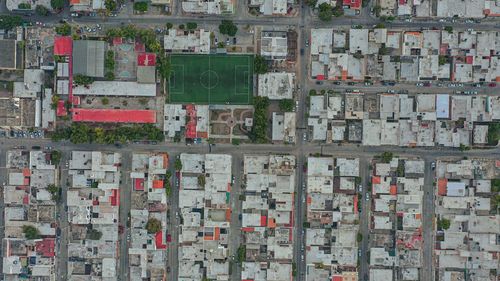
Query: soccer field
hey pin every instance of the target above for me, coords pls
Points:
(211, 79)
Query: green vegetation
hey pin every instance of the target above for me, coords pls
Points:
(141, 6)
(178, 164)
(169, 25)
(41, 10)
(294, 269)
(104, 101)
(55, 157)
(201, 180)
(377, 9)
(443, 60)
(153, 226)
(24, 6)
(386, 157)
(325, 12)
(495, 185)
(181, 26)
(383, 50)
(191, 25)
(312, 92)
(495, 202)
(94, 234)
(82, 133)
(259, 129)
(443, 224)
(166, 183)
(146, 36)
(365, 3)
(9, 22)
(449, 29)
(80, 79)
(387, 19)
(227, 27)
(110, 5)
(31, 232)
(235, 141)
(260, 65)
(380, 25)
(286, 105)
(211, 79)
(57, 4)
(359, 237)
(109, 60)
(311, 3)
(55, 101)
(109, 75)
(163, 66)
(464, 147)
(493, 133)
(242, 252)
(54, 191)
(63, 29)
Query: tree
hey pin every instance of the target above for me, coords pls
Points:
(31, 232)
(201, 180)
(311, 3)
(80, 79)
(463, 147)
(105, 101)
(181, 26)
(443, 224)
(141, 6)
(449, 29)
(178, 164)
(325, 12)
(493, 133)
(153, 226)
(377, 9)
(386, 157)
(258, 134)
(169, 25)
(359, 237)
(383, 50)
(57, 4)
(163, 66)
(337, 11)
(227, 27)
(55, 157)
(286, 105)
(242, 252)
(54, 191)
(380, 25)
(260, 65)
(110, 75)
(110, 5)
(312, 92)
(63, 29)
(191, 25)
(235, 141)
(9, 22)
(41, 10)
(443, 60)
(365, 3)
(94, 234)
(24, 6)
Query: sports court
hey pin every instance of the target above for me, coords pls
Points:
(211, 79)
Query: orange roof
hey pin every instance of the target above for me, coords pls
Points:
(271, 223)
(442, 183)
(158, 184)
(394, 190)
(26, 172)
(376, 180)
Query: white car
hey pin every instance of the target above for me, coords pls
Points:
(304, 137)
(367, 196)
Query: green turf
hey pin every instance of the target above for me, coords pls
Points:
(211, 79)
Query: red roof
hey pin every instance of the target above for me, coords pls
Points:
(117, 41)
(469, 59)
(139, 184)
(353, 4)
(46, 247)
(320, 77)
(146, 59)
(159, 240)
(191, 124)
(114, 115)
(337, 278)
(63, 45)
(61, 109)
(115, 198)
(263, 221)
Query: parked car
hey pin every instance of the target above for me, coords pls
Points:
(433, 165)
(492, 85)
(367, 196)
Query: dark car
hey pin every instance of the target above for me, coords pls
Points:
(234, 40)
(492, 85)
(301, 52)
(351, 83)
(336, 83)
(36, 147)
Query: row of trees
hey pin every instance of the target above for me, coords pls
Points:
(146, 36)
(259, 129)
(82, 133)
